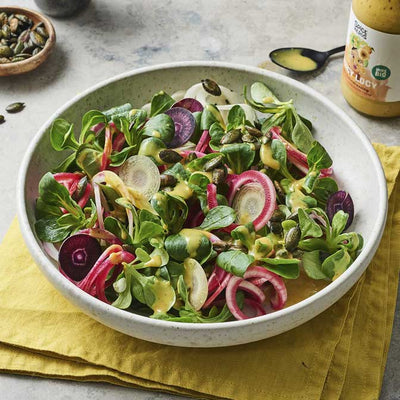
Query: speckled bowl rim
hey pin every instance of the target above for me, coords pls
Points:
(63, 284)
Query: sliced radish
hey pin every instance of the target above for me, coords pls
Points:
(141, 174)
(249, 202)
(215, 279)
(230, 295)
(185, 125)
(212, 196)
(252, 289)
(295, 156)
(78, 254)
(267, 196)
(263, 275)
(203, 142)
(221, 286)
(196, 280)
(190, 104)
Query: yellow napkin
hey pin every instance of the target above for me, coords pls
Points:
(340, 354)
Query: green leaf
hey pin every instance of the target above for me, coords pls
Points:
(261, 94)
(91, 118)
(236, 117)
(313, 244)
(279, 154)
(239, 156)
(323, 188)
(117, 228)
(54, 194)
(89, 159)
(301, 135)
(218, 217)
(117, 159)
(173, 210)
(339, 221)
(216, 133)
(134, 135)
(312, 265)
(246, 234)
(160, 126)
(62, 135)
(65, 164)
(160, 102)
(336, 264)
(43, 210)
(210, 115)
(148, 230)
(122, 110)
(287, 268)
(277, 119)
(124, 299)
(48, 230)
(189, 243)
(179, 172)
(234, 261)
(308, 226)
(317, 157)
(198, 163)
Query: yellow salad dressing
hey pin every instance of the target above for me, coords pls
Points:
(293, 59)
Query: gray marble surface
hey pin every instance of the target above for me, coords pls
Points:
(111, 37)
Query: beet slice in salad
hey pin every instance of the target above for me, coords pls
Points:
(184, 125)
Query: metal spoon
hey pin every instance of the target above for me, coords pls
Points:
(319, 57)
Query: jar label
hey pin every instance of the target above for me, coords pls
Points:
(371, 64)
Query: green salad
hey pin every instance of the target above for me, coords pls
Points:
(202, 206)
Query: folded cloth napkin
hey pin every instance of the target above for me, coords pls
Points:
(340, 354)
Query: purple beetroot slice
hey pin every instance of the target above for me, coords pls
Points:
(184, 125)
(337, 201)
(190, 104)
(78, 254)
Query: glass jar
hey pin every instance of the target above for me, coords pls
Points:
(371, 69)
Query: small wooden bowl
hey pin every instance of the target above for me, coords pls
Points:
(33, 62)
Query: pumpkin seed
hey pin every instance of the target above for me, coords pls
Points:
(29, 48)
(167, 180)
(213, 163)
(40, 24)
(220, 246)
(42, 32)
(23, 18)
(14, 24)
(275, 227)
(24, 36)
(37, 39)
(278, 216)
(253, 131)
(17, 58)
(169, 156)
(247, 138)
(219, 175)
(2, 119)
(19, 47)
(211, 87)
(292, 238)
(280, 193)
(15, 107)
(231, 136)
(3, 18)
(3, 42)
(37, 50)
(24, 55)
(6, 31)
(6, 51)
(281, 253)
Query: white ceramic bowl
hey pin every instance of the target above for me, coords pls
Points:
(357, 170)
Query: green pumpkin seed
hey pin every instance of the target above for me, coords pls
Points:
(15, 107)
(275, 227)
(214, 163)
(247, 138)
(278, 216)
(37, 39)
(36, 51)
(6, 31)
(3, 42)
(19, 47)
(2, 119)
(253, 131)
(292, 238)
(17, 59)
(169, 156)
(23, 18)
(3, 18)
(24, 36)
(167, 180)
(231, 136)
(6, 51)
(219, 175)
(24, 55)
(280, 192)
(220, 246)
(42, 32)
(28, 48)
(211, 87)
